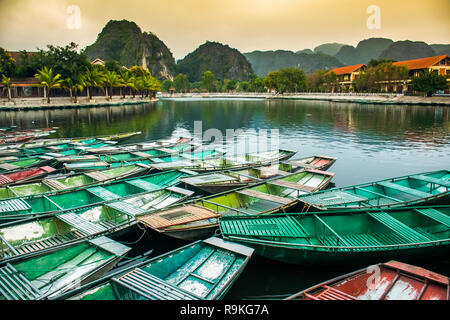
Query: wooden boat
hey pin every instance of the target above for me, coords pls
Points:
(70, 181)
(52, 272)
(395, 281)
(344, 237)
(92, 162)
(199, 218)
(204, 270)
(202, 165)
(217, 182)
(316, 162)
(35, 205)
(22, 237)
(27, 162)
(25, 175)
(18, 139)
(412, 190)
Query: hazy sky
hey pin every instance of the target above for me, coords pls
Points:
(246, 25)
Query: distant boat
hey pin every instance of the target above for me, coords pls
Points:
(344, 237)
(154, 186)
(199, 218)
(315, 162)
(226, 180)
(52, 272)
(393, 281)
(204, 270)
(412, 190)
(42, 184)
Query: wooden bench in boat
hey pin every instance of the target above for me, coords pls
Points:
(140, 154)
(421, 177)
(171, 151)
(330, 293)
(54, 184)
(333, 198)
(398, 227)
(14, 286)
(8, 166)
(151, 287)
(5, 179)
(147, 186)
(97, 175)
(264, 196)
(178, 216)
(13, 205)
(292, 185)
(436, 215)
(81, 224)
(126, 208)
(404, 189)
(103, 193)
(274, 172)
(53, 241)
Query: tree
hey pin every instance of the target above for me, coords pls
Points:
(128, 81)
(113, 65)
(208, 81)
(74, 86)
(7, 63)
(166, 85)
(6, 83)
(112, 80)
(181, 83)
(429, 82)
(93, 78)
(48, 81)
(139, 71)
(286, 80)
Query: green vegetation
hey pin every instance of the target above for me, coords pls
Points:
(48, 80)
(429, 82)
(124, 42)
(223, 61)
(7, 63)
(377, 76)
(181, 83)
(365, 51)
(407, 50)
(330, 49)
(6, 83)
(286, 80)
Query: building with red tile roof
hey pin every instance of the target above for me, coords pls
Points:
(439, 64)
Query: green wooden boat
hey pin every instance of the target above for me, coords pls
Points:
(225, 162)
(204, 270)
(412, 190)
(24, 236)
(199, 218)
(69, 181)
(316, 162)
(35, 205)
(346, 236)
(93, 162)
(52, 272)
(217, 182)
(29, 162)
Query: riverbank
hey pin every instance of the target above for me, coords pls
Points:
(337, 97)
(23, 104)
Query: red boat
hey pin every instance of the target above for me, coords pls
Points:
(385, 281)
(25, 175)
(17, 139)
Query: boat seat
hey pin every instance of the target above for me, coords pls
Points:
(331, 293)
(81, 224)
(417, 193)
(103, 193)
(333, 198)
(285, 227)
(97, 175)
(292, 185)
(4, 179)
(126, 208)
(264, 196)
(13, 205)
(151, 287)
(8, 166)
(54, 184)
(398, 227)
(421, 177)
(170, 151)
(14, 286)
(147, 186)
(141, 154)
(436, 215)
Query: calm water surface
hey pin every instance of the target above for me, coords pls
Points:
(371, 142)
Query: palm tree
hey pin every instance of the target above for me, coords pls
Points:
(74, 86)
(48, 81)
(113, 80)
(6, 82)
(128, 81)
(93, 78)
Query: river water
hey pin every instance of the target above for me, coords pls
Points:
(371, 142)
